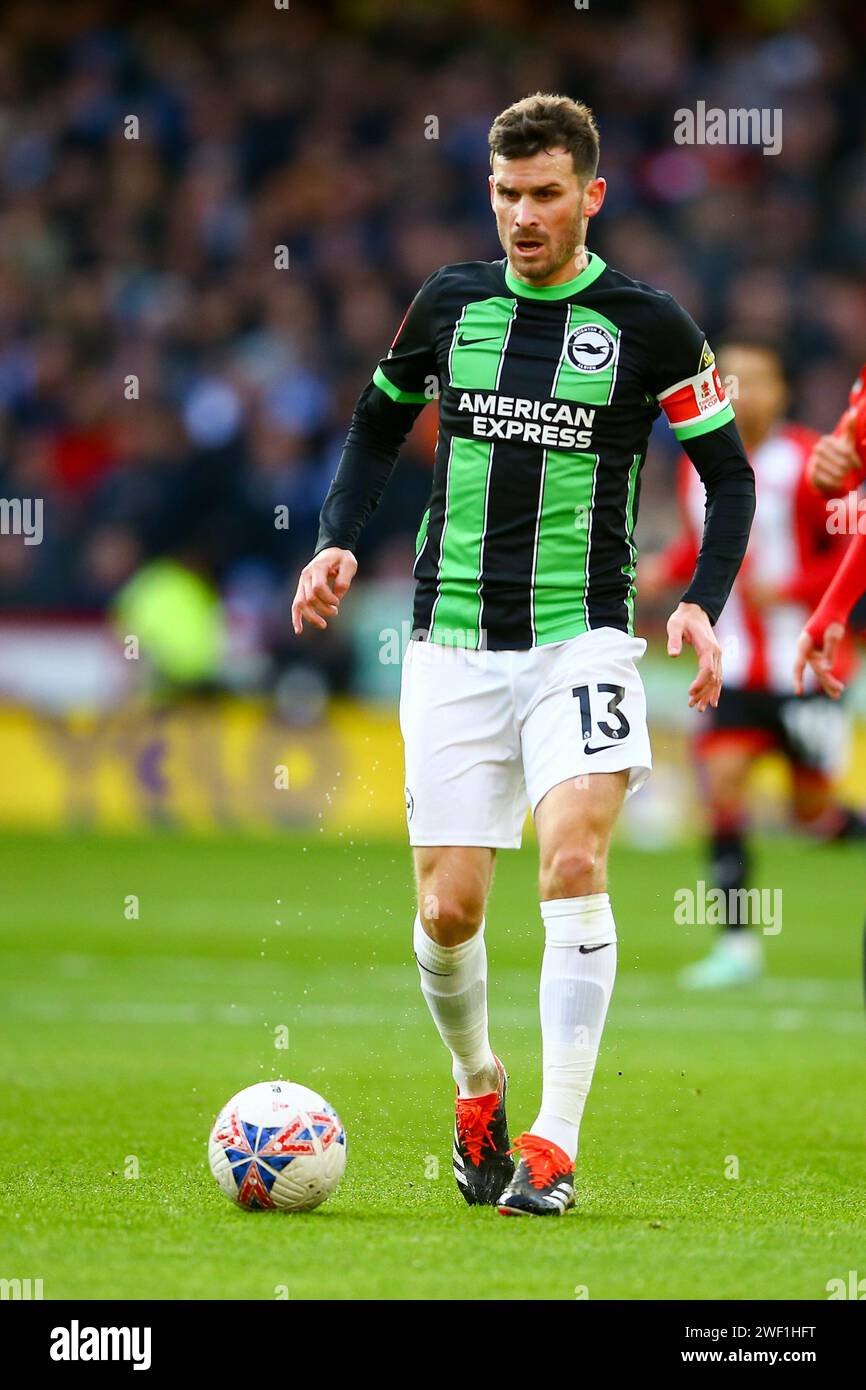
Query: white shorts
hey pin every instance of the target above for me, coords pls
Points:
(487, 734)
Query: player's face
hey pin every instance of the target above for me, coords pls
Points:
(757, 387)
(541, 211)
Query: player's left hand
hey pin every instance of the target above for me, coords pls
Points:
(820, 659)
(689, 623)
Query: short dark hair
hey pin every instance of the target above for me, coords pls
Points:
(545, 122)
(755, 340)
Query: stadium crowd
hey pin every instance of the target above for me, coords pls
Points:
(169, 376)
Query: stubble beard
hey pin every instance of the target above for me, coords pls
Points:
(565, 253)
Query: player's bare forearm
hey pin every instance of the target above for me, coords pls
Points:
(690, 624)
(321, 586)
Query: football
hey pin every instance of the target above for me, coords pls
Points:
(277, 1145)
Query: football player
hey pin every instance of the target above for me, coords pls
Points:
(520, 688)
(790, 560)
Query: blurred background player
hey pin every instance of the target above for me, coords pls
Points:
(837, 459)
(837, 465)
(790, 561)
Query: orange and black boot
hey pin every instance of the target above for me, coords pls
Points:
(482, 1159)
(544, 1182)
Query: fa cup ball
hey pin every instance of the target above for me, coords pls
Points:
(277, 1145)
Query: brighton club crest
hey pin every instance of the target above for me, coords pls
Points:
(590, 348)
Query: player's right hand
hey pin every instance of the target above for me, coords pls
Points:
(321, 586)
(833, 458)
(820, 659)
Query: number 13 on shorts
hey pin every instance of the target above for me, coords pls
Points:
(615, 727)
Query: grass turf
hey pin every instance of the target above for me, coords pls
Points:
(121, 1038)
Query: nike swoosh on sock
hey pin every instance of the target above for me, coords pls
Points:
(441, 974)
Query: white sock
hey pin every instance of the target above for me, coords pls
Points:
(454, 983)
(574, 994)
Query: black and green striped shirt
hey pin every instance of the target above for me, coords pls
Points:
(546, 399)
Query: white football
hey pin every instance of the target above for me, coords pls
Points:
(277, 1145)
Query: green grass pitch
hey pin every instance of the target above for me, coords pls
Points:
(122, 1037)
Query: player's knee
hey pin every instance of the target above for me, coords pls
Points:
(726, 784)
(572, 869)
(450, 916)
(726, 796)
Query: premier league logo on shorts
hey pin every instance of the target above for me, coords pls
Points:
(590, 348)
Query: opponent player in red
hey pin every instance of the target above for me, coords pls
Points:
(838, 463)
(791, 558)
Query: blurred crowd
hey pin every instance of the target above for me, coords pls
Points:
(170, 377)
